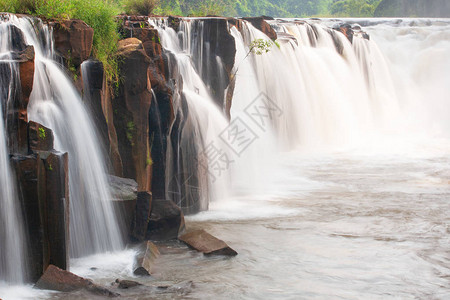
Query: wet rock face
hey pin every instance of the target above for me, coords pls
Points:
(131, 105)
(73, 40)
(40, 138)
(166, 221)
(261, 24)
(141, 215)
(217, 43)
(43, 190)
(16, 80)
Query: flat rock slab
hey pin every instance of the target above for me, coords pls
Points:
(57, 279)
(146, 260)
(202, 241)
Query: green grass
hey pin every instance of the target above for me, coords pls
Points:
(99, 14)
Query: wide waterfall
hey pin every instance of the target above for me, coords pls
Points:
(55, 103)
(323, 161)
(12, 236)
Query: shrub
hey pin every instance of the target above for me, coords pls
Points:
(140, 7)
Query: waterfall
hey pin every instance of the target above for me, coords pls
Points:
(195, 146)
(327, 90)
(55, 103)
(12, 236)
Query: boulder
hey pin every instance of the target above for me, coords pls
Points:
(203, 242)
(131, 106)
(261, 24)
(145, 259)
(123, 188)
(141, 215)
(166, 221)
(64, 281)
(73, 40)
(40, 138)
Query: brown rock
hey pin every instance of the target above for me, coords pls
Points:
(43, 181)
(131, 106)
(202, 241)
(142, 215)
(56, 211)
(73, 40)
(40, 138)
(262, 25)
(126, 284)
(30, 173)
(59, 280)
(347, 30)
(174, 22)
(166, 221)
(145, 260)
(26, 67)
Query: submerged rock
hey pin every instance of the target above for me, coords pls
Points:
(204, 242)
(64, 281)
(126, 284)
(146, 259)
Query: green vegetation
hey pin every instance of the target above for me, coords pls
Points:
(41, 133)
(275, 8)
(139, 7)
(131, 130)
(99, 14)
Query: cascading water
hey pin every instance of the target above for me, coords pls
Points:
(195, 134)
(316, 78)
(12, 236)
(358, 223)
(55, 103)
